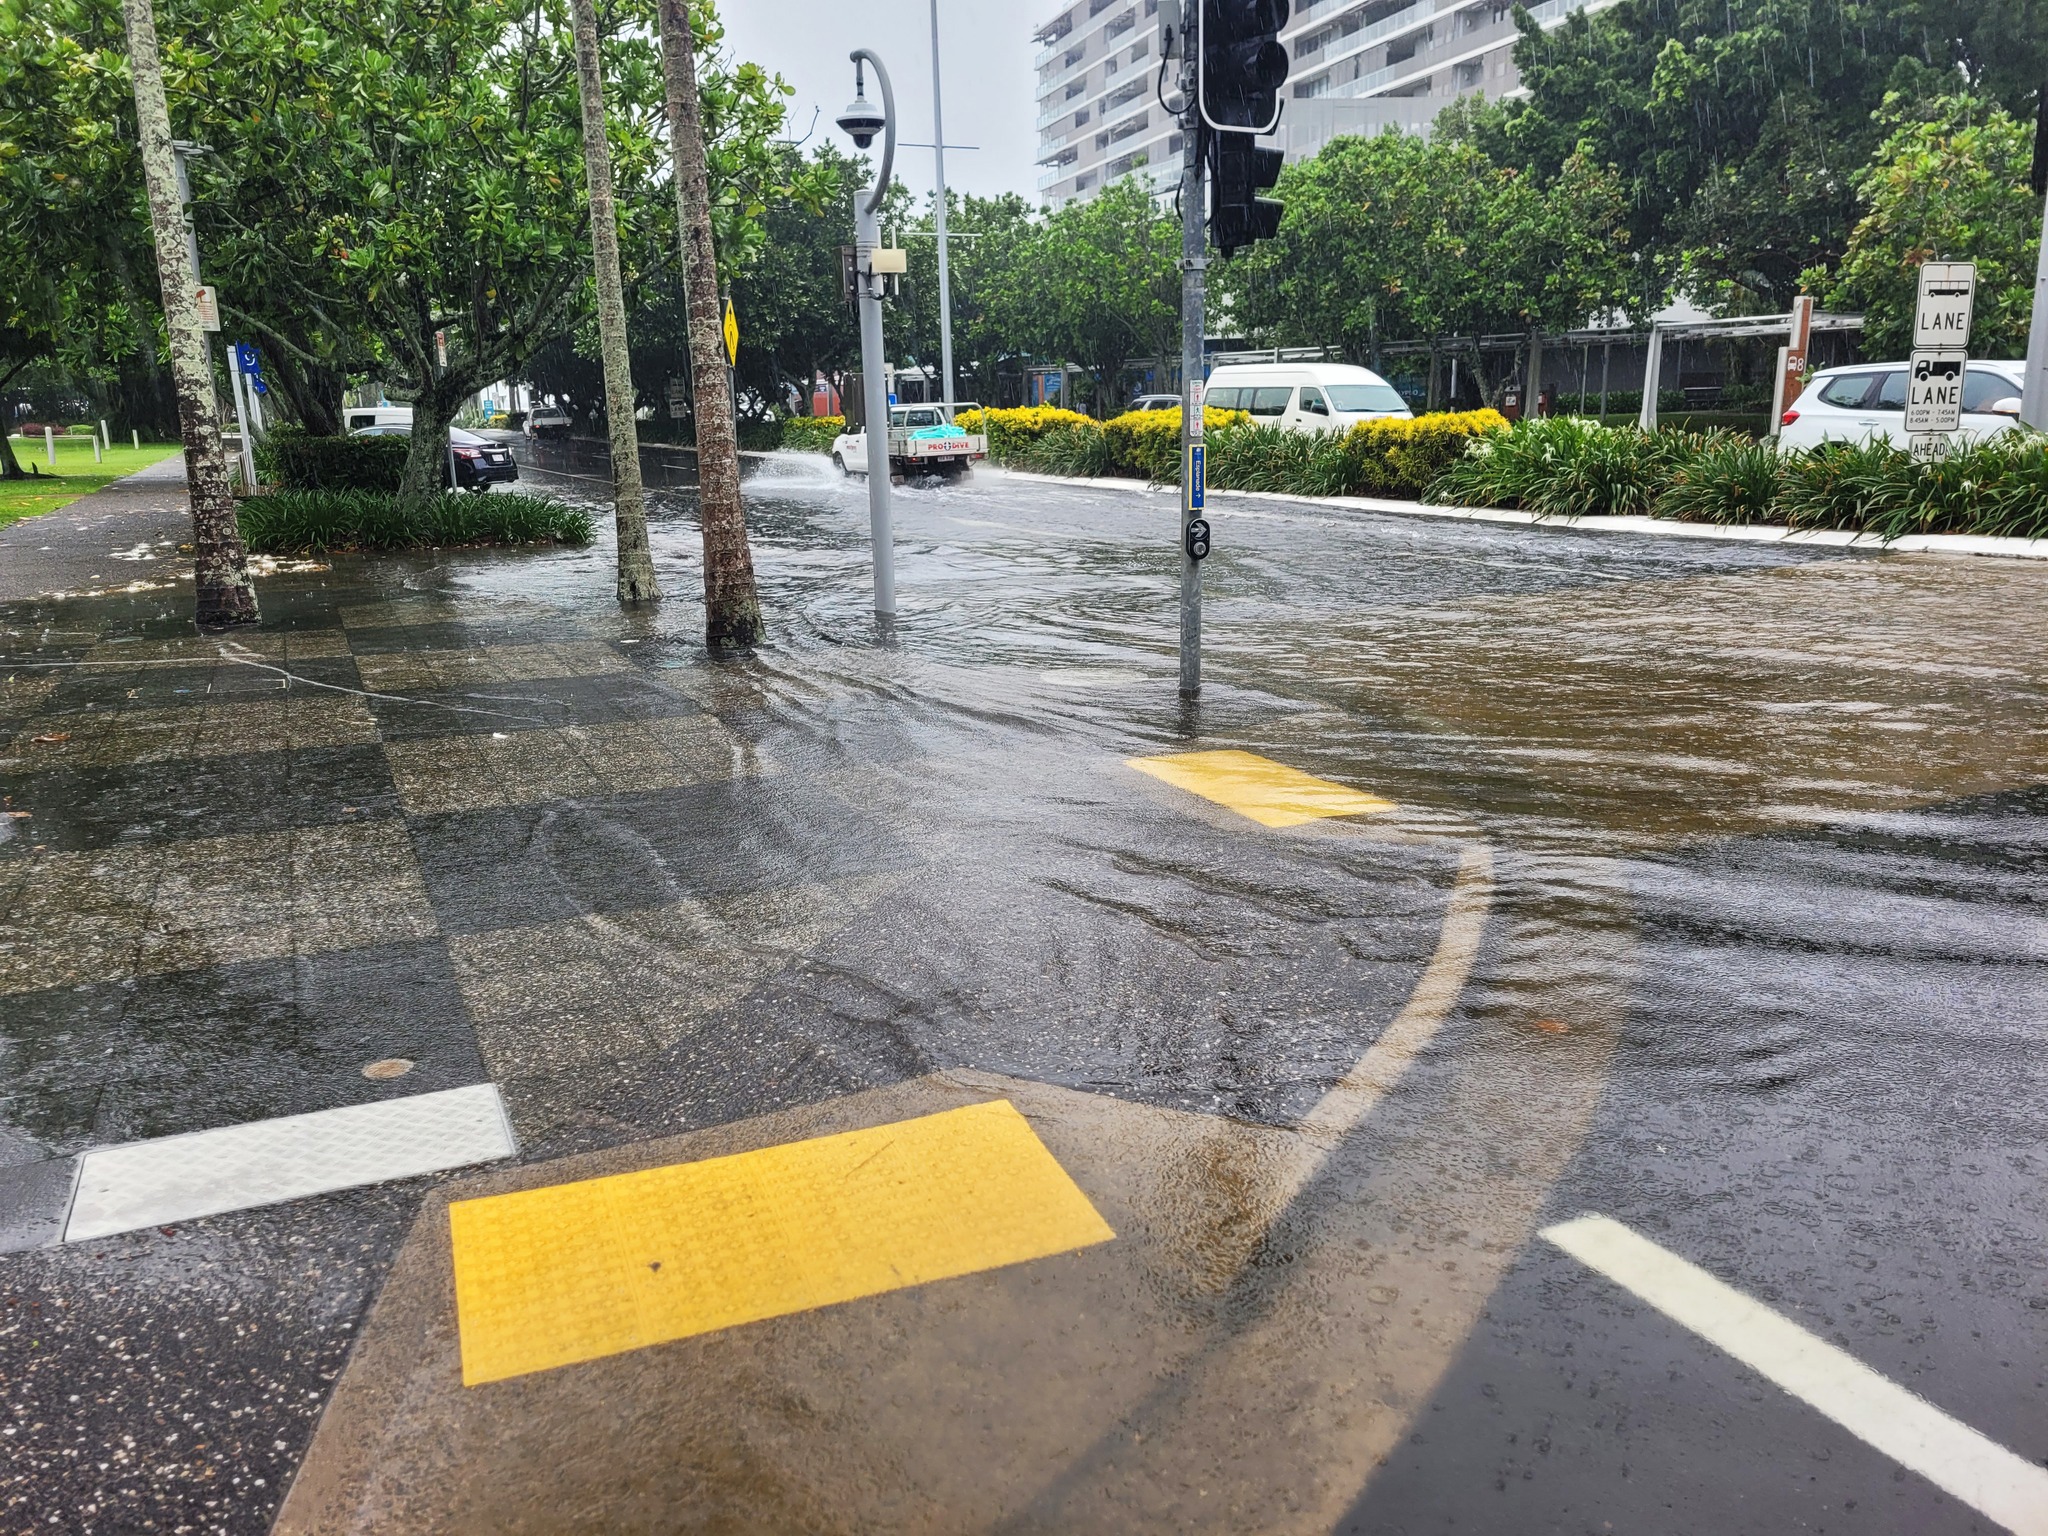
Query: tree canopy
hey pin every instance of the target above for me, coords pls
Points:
(1739, 128)
(380, 173)
(1948, 183)
(1398, 237)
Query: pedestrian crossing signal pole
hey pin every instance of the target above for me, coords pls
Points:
(1232, 69)
(1194, 526)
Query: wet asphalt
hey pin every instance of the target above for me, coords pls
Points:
(1770, 831)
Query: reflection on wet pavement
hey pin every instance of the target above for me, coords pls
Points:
(1765, 857)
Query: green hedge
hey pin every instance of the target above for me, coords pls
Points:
(315, 522)
(1147, 443)
(1013, 430)
(811, 434)
(1395, 456)
(1567, 467)
(293, 459)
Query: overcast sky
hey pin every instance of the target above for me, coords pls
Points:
(984, 45)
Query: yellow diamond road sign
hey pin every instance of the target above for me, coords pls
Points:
(732, 334)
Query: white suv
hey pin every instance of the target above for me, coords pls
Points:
(1854, 405)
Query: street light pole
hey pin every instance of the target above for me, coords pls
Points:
(939, 217)
(862, 122)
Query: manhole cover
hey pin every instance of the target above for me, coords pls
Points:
(390, 1066)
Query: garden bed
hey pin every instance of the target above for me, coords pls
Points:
(1569, 468)
(318, 522)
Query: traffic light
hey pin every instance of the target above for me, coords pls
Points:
(1239, 171)
(1243, 67)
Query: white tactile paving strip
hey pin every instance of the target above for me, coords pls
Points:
(203, 1173)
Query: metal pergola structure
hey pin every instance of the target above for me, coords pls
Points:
(1733, 328)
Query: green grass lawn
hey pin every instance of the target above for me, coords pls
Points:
(75, 475)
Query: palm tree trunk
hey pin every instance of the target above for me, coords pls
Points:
(224, 593)
(637, 583)
(732, 605)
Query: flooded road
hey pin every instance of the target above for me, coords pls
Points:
(1695, 887)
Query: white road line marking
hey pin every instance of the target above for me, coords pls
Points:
(263, 1162)
(1909, 1429)
(1375, 1074)
(1436, 993)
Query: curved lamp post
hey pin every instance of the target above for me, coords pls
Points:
(862, 122)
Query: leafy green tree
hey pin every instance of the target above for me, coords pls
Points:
(1949, 183)
(77, 285)
(409, 172)
(1096, 284)
(381, 172)
(1398, 238)
(988, 237)
(1351, 250)
(1738, 125)
(794, 324)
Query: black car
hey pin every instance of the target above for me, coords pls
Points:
(480, 462)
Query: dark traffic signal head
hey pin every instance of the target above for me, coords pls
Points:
(1243, 65)
(1239, 171)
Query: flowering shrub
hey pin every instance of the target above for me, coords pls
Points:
(1392, 456)
(1147, 443)
(811, 434)
(1012, 431)
(1399, 456)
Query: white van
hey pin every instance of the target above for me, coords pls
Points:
(1304, 397)
(360, 418)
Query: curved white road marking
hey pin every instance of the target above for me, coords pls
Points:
(1437, 990)
(1904, 1426)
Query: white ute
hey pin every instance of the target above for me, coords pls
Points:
(922, 441)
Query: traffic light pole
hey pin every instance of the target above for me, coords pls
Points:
(1193, 298)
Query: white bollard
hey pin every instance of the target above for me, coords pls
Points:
(135, 437)
(105, 441)
(50, 445)
(97, 456)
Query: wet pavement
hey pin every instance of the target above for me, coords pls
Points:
(1708, 898)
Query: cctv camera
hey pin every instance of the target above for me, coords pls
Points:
(861, 121)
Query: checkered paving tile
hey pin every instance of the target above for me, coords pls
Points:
(477, 838)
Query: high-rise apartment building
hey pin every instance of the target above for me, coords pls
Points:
(1356, 66)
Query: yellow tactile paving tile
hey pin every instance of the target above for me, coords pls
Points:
(1270, 793)
(549, 1277)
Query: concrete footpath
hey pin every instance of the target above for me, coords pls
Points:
(105, 541)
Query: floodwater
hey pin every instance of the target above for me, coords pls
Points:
(1709, 899)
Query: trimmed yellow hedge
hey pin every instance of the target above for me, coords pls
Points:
(1397, 457)
(1012, 430)
(811, 434)
(1147, 443)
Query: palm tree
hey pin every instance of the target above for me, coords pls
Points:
(637, 583)
(224, 594)
(732, 605)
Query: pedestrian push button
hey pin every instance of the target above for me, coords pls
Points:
(1198, 538)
